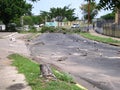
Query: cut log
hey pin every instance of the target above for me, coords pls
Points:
(46, 72)
(62, 58)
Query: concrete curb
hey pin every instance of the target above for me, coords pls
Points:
(78, 85)
(10, 35)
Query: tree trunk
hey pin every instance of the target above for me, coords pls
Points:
(117, 16)
(46, 72)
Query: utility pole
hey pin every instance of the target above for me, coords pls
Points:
(88, 14)
(45, 19)
(22, 22)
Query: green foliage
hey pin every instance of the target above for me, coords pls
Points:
(11, 9)
(34, 0)
(27, 20)
(109, 4)
(93, 10)
(59, 30)
(75, 30)
(26, 66)
(100, 39)
(109, 16)
(59, 14)
(65, 20)
(44, 16)
(36, 19)
(31, 71)
(32, 30)
(63, 76)
(17, 22)
(47, 29)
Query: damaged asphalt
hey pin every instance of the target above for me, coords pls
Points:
(93, 64)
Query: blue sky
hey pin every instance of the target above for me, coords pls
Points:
(45, 5)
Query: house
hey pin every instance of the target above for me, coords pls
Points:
(2, 27)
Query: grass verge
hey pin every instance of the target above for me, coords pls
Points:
(31, 71)
(100, 39)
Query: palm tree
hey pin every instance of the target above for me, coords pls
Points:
(112, 5)
(44, 16)
(89, 1)
(61, 13)
(89, 11)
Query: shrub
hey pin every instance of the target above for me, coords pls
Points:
(32, 29)
(59, 30)
(48, 29)
(11, 27)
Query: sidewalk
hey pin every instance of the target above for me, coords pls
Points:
(92, 32)
(10, 79)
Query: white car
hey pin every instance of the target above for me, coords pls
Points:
(75, 26)
(41, 25)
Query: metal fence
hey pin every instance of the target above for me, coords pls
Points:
(108, 28)
(111, 29)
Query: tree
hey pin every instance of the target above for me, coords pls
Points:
(44, 16)
(92, 11)
(27, 20)
(109, 4)
(59, 14)
(34, 0)
(112, 5)
(89, 2)
(70, 15)
(109, 16)
(36, 19)
(12, 9)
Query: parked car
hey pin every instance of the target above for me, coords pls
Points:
(75, 26)
(41, 25)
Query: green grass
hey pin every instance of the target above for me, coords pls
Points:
(31, 71)
(100, 39)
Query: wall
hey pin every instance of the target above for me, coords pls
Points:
(2, 27)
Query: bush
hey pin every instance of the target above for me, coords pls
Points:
(58, 30)
(48, 29)
(53, 30)
(32, 29)
(11, 27)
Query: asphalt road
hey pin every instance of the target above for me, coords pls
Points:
(95, 63)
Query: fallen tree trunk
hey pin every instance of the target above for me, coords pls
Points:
(46, 72)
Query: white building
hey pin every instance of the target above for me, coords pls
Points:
(2, 27)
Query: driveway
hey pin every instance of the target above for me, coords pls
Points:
(94, 65)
